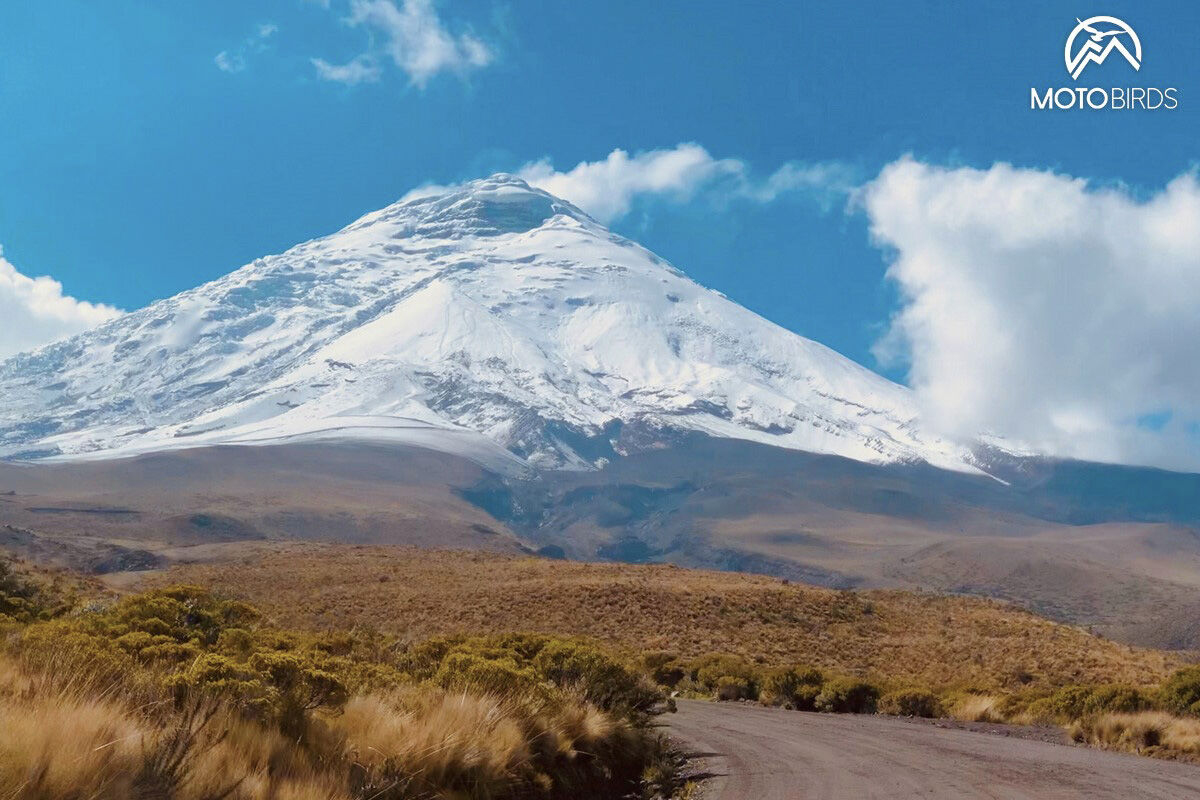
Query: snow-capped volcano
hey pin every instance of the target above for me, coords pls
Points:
(492, 319)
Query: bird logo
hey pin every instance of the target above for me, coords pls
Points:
(1094, 49)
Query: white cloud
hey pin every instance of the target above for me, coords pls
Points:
(413, 37)
(35, 311)
(360, 70)
(230, 62)
(828, 181)
(234, 61)
(1046, 310)
(606, 189)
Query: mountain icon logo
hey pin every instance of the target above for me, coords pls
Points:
(1104, 35)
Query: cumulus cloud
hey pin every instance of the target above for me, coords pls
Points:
(1060, 315)
(35, 311)
(234, 61)
(413, 37)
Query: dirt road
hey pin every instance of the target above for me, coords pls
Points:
(756, 753)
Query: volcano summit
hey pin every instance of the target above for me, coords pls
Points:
(491, 320)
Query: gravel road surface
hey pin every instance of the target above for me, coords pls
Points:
(755, 753)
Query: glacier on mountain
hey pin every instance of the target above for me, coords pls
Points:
(492, 320)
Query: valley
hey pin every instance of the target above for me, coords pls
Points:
(1123, 563)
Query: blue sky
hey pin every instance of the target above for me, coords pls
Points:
(148, 147)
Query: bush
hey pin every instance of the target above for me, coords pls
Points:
(500, 677)
(600, 679)
(847, 696)
(1116, 699)
(19, 598)
(1062, 706)
(795, 688)
(911, 703)
(708, 669)
(62, 648)
(664, 668)
(1181, 692)
(729, 687)
(299, 683)
(1074, 702)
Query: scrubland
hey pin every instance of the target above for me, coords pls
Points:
(730, 636)
(887, 636)
(352, 673)
(181, 693)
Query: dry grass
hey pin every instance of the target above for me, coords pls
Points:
(886, 635)
(977, 708)
(418, 742)
(63, 746)
(1155, 733)
(79, 742)
(93, 707)
(436, 741)
(426, 740)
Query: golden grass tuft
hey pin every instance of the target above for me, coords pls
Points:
(977, 708)
(426, 742)
(68, 747)
(1155, 733)
(58, 740)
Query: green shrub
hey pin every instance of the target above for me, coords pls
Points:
(599, 678)
(221, 676)
(1068, 702)
(730, 687)
(911, 703)
(499, 677)
(183, 613)
(1180, 693)
(847, 696)
(664, 668)
(19, 597)
(795, 688)
(1074, 702)
(192, 643)
(61, 648)
(806, 698)
(708, 669)
(1116, 699)
(301, 681)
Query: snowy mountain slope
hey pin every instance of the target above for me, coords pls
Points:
(493, 320)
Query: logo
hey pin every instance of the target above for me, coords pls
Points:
(1101, 40)
(1092, 41)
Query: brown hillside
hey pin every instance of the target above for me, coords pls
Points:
(889, 635)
